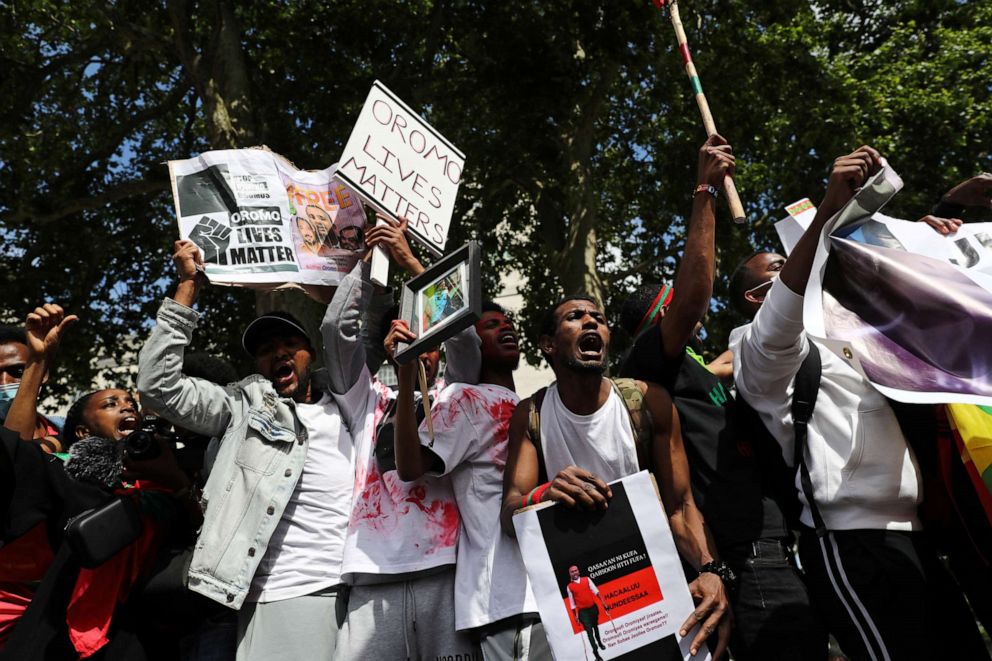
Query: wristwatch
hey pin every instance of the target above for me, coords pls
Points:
(721, 569)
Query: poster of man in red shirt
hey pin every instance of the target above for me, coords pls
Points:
(609, 583)
(582, 597)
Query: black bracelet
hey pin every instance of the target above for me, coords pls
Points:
(722, 570)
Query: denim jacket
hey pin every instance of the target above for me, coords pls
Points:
(262, 450)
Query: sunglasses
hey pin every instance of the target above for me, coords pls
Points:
(15, 371)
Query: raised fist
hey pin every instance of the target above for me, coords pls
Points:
(212, 237)
(716, 162)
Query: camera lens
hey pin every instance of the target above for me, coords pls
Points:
(141, 444)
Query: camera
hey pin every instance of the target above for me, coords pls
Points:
(141, 444)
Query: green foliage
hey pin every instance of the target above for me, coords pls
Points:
(578, 123)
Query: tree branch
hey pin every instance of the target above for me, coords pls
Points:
(124, 190)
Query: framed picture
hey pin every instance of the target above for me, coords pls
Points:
(442, 301)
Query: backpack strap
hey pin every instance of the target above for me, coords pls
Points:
(804, 393)
(534, 431)
(640, 420)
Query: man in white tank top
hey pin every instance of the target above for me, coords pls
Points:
(587, 440)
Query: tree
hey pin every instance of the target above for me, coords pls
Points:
(577, 121)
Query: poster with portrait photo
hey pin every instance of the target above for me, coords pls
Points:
(442, 301)
(260, 222)
(609, 584)
(438, 302)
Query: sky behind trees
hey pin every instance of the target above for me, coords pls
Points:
(578, 124)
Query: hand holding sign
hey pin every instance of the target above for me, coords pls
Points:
(390, 236)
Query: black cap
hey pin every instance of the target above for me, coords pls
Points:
(272, 323)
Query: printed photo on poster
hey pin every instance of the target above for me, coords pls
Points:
(609, 583)
(328, 222)
(442, 301)
(261, 222)
(599, 582)
(890, 298)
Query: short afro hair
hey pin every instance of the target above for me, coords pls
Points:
(548, 323)
(11, 334)
(493, 306)
(743, 279)
(637, 305)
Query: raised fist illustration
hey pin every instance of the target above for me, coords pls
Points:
(212, 237)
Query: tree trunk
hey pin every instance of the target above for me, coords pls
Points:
(220, 74)
(577, 261)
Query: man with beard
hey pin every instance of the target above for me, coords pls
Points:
(311, 243)
(493, 601)
(772, 615)
(277, 501)
(321, 221)
(587, 439)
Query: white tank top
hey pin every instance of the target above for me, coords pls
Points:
(601, 443)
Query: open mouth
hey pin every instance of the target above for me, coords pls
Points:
(127, 424)
(508, 339)
(283, 374)
(590, 344)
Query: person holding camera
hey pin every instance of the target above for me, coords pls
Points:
(62, 583)
(278, 498)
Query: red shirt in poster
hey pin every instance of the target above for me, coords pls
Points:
(582, 592)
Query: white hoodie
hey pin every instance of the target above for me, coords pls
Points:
(864, 474)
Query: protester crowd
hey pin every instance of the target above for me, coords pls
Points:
(316, 513)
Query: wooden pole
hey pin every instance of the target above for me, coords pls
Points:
(729, 189)
(424, 399)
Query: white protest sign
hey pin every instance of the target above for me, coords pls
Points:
(627, 553)
(791, 229)
(404, 167)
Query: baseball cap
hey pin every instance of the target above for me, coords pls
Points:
(269, 324)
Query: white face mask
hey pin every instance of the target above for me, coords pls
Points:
(7, 394)
(762, 289)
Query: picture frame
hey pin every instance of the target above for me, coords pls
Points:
(442, 301)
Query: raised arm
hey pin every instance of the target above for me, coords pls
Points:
(344, 350)
(767, 353)
(692, 537)
(391, 236)
(196, 404)
(694, 278)
(413, 460)
(847, 175)
(44, 329)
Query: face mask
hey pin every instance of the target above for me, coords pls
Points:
(7, 394)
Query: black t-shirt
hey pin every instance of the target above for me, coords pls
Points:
(35, 489)
(726, 479)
